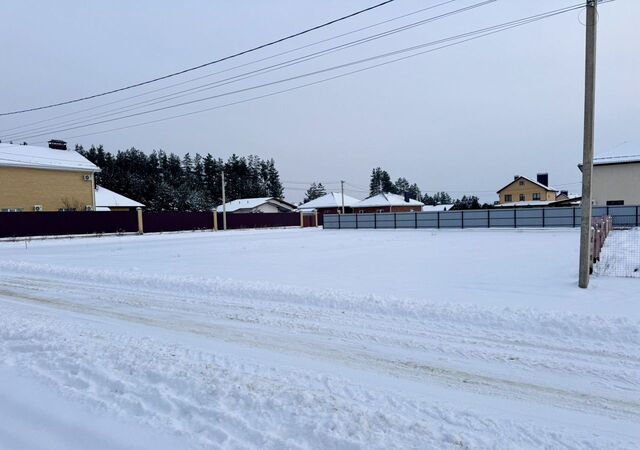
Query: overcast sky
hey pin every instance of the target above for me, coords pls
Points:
(464, 119)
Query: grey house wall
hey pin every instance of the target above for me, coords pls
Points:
(623, 216)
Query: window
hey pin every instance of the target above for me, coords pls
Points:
(521, 182)
(521, 197)
(615, 202)
(361, 211)
(536, 195)
(508, 198)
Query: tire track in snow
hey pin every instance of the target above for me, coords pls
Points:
(262, 327)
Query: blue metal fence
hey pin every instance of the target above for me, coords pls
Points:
(623, 216)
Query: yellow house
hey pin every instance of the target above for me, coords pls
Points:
(525, 191)
(45, 179)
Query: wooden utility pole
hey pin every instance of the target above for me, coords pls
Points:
(224, 204)
(587, 155)
(342, 192)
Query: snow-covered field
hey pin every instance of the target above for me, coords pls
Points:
(316, 339)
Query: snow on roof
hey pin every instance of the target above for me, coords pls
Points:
(31, 156)
(434, 208)
(529, 203)
(548, 188)
(251, 203)
(625, 153)
(109, 199)
(330, 200)
(387, 199)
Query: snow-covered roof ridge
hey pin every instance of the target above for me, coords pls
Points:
(108, 199)
(250, 203)
(621, 159)
(34, 157)
(387, 199)
(626, 152)
(548, 188)
(437, 207)
(330, 200)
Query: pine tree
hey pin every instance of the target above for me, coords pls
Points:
(170, 183)
(380, 182)
(314, 191)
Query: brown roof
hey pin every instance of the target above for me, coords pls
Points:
(546, 188)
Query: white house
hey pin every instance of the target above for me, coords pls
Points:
(107, 200)
(386, 202)
(330, 203)
(616, 178)
(257, 205)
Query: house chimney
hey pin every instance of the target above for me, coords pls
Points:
(564, 193)
(543, 178)
(57, 144)
(515, 177)
(407, 199)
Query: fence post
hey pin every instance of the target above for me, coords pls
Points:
(574, 216)
(438, 217)
(140, 224)
(215, 219)
(339, 221)
(356, 221)
(515, 219)
(416, 217)
(395, 222)
(488, 218)
(543, 210)
(462, 219)
(315, 216)
(375, 221)
(301, 219)
(637, 207)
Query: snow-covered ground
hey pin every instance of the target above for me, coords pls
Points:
(317, 339)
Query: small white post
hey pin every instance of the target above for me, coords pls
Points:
(215, 219)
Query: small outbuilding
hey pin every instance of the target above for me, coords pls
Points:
(107, 200)
(387, 202)
(257, 205)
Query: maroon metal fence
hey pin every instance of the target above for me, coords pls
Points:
(155, 222)
(260, 220)
(26, 224)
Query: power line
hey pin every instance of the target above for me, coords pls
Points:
(470, 36)
(234, 67)
(190, 69)
(250, 74)
(461, 38)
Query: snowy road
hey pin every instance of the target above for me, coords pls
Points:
(234, 363)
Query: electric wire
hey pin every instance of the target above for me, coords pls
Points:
(190, 69)
(247, 75)
(231, 68)
(461, 38)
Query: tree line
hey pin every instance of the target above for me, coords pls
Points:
(167, 182)
(380, 181)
